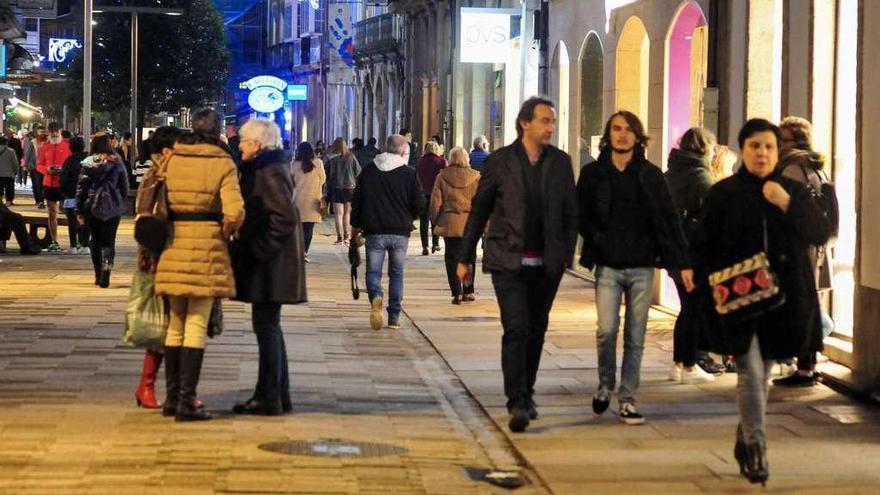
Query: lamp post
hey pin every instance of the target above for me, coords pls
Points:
(87, 59)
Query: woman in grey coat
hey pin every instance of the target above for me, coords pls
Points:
(268, 259)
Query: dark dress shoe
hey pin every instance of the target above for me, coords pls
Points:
(532, 409)
(456, 300)
(259, 408)
(519, 419)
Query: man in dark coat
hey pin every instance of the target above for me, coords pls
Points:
(526, 194)
(268, 259)
(629, 226)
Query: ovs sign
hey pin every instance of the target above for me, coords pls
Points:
(485, 35)
(267, 93)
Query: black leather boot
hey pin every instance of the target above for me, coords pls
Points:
(172, 380)
(756, 453)
(739, 452)
(190, 368)
(107, 255)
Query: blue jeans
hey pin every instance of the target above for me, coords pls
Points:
(395, 246)
(752, 391)
(635, 284)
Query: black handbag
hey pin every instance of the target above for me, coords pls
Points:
(747, 289)
(215, 321)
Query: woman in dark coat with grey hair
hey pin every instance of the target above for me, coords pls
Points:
(757, 210)
(268, 259)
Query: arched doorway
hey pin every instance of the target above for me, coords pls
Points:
(559, 92)
(591, 77)
(686, 66)
(631, 75)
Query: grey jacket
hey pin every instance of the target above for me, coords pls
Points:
(8, 162)
(342, 171)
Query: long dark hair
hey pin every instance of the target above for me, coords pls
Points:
(100, 145)
(206, 128)
(305, 154)
(634, 124)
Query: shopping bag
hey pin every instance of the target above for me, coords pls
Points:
(146, 317)
(215, 321)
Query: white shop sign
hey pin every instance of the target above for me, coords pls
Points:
(484, 35)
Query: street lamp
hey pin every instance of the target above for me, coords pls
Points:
(87, 58)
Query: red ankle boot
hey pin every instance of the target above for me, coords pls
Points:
(145, 395)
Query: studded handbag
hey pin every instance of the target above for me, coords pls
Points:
(747, 289)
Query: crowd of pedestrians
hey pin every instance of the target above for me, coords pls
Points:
(243, 213)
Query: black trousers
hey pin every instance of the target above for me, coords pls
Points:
(273, 380)
(103, 242)
(78, 234)
(37, 187)
(686, 335)
(12, 223)
(525, 299)
(424, 228)
(308, 231)
(452, 245)
(7, 188)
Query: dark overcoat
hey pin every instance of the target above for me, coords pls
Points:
(268, 257)
(732, 229)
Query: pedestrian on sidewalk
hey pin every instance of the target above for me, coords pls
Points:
(451, 199)
(268, 259)
(100, 203)
(759, 210)
(480, 153)
(689, 179)
(8, 170)
(161, 145)
(50, 160)
(427, 169)
(206, 209)
(309, 178)
(630, 226)
(31, 152)
(799, 162)
(527, 196)
(342, 172)
(70, 171)
(13, 223)
(386, 201)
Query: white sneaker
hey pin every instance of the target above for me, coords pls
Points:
(696, 375)
(675, 374)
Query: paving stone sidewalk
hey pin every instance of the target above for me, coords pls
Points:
(69, 425)
(820, 441)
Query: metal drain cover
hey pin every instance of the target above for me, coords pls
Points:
(333, 447)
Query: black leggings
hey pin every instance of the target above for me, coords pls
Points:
(308, 230)
(452, 244)
(103, 243)
(425, 226)
(79, 234)
(686, 336)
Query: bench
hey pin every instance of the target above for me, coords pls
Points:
(36, 223)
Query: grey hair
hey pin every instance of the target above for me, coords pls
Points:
(480, 142)
(263, 131)
(396, 144)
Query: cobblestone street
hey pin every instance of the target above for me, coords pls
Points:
(68, 421)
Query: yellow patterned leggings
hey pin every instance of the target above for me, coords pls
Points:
(188, 325)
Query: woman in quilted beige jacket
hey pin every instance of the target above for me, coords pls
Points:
(450, 207)
(206, 208)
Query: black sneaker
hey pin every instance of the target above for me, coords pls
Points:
(601, 401)
(710, 366)
(797, 380)
(519, 419)
(629, 415)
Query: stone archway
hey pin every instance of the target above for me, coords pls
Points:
(592, 60)
(631, 75)
(686, 71)
(559, 93)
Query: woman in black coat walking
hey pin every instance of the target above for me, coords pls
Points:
(759, 211)
(268, 259)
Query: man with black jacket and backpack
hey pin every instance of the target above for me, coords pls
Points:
(387, 199)
(527, 195)
(630, 226)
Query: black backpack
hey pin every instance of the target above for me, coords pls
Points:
(827, 197)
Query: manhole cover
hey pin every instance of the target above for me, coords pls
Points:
(333, 447)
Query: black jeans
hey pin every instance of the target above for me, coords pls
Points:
(308, 230)
(424, 222)
(686, 336)
(452, 245)
(525, 299)
(7, 188)
(78, 234)
(37, 187)
(103, 242)
(273, 380)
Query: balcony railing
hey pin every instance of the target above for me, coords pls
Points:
(380, 34)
